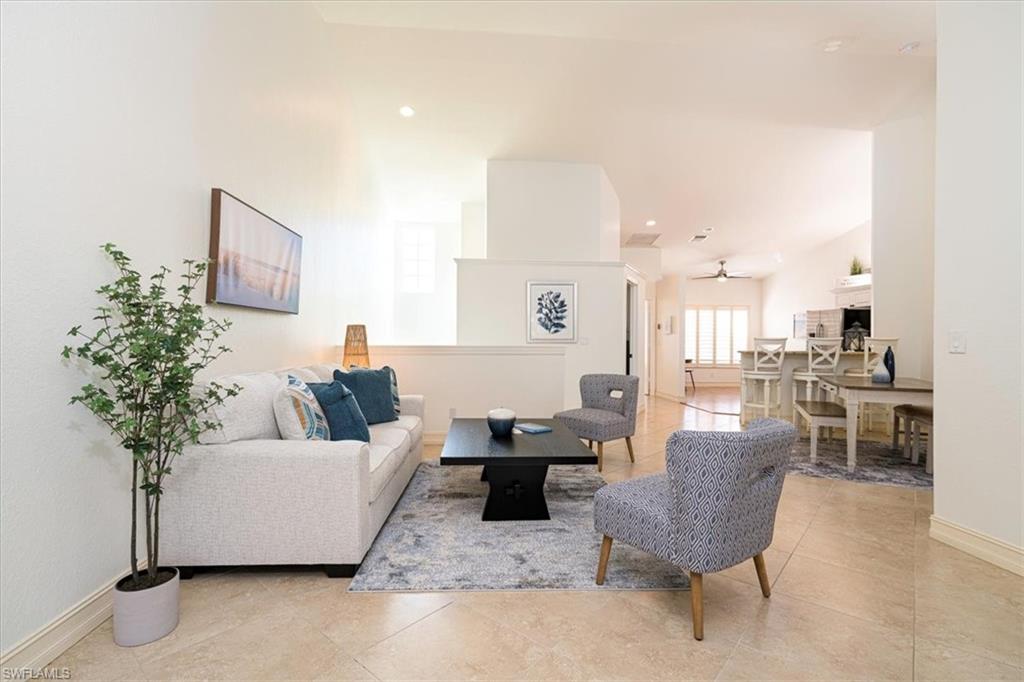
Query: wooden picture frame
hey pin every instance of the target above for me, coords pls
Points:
(255, 261)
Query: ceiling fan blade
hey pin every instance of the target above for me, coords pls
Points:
(705, 277)
(738, 276)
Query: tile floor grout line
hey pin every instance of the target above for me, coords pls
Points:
(406, 627)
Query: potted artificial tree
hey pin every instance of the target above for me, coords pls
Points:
(144, 357)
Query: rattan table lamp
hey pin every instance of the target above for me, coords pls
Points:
(356, 351)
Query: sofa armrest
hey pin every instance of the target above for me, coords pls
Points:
(413, 405)
(267, 502)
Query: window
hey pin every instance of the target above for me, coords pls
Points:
(416, 259)
(715, 335)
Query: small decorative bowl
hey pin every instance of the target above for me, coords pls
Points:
(501, 421)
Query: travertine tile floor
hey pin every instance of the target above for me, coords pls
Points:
(859, 592)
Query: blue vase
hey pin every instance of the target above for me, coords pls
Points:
(890, 363)
(501, 421)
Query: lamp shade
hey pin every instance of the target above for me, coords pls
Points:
(356, 351)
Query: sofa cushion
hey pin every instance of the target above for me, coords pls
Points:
(344, 417)
(305, 374)
(248, 415)
(388, 449)
(410, 424)
(299, 415)
(325, 372)
(373, 392)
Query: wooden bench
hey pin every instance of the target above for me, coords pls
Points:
(913, 419)
(818, 413)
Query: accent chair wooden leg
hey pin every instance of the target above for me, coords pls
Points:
(629, 446)
(602, 562)
(762, 575)
(697, 604)
(895, 430)
(590, 444)
(600, 455)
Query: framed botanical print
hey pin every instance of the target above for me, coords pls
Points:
(551, 312)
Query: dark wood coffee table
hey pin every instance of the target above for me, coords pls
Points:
(514, 467)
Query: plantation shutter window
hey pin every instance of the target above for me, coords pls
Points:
(715, 335)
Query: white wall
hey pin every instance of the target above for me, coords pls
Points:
(978, 262)
(117, 119)
(468, 381)
(805, 281)
(540, 210)
(742, 292)
(492, 311)
(902, 245)
(474, 230)
(668, 347)
(646, 259)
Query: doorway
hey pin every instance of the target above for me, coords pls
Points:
(631, 311)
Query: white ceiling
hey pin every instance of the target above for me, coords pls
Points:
(723, 115)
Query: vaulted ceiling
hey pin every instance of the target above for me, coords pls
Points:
(723, 115)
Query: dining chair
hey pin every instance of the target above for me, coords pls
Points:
(769, 354)
(714, 507)
(822, 358)
(873, 353)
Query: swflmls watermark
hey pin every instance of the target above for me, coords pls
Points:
(26, 673)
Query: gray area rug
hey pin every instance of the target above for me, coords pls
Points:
(876, 463)
(435, 540)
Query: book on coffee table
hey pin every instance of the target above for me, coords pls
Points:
(528, 427)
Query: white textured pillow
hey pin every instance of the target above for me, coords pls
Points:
(299, 415)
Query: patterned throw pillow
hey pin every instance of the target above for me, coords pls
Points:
(299, 415)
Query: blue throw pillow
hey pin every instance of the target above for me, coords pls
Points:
(344, 418)
(394, 383)
(372, 389)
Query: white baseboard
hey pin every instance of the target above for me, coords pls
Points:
(667, 396)
(43, 647)
(984, 547)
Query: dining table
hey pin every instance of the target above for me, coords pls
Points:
(854, 390)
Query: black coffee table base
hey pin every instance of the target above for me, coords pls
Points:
(517, 493)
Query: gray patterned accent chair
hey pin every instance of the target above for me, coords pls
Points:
(604, 417)
(714, 508)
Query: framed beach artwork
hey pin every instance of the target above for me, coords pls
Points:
(256, 262)
(551, 312)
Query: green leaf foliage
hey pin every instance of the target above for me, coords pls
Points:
(148, 346)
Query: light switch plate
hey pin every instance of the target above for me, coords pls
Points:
(958, 342)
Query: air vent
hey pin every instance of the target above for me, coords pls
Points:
(698, 238)
(643, 238)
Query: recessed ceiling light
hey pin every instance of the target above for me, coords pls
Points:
(909, 47)
(651, 223)
(407, 111)
(832, 45)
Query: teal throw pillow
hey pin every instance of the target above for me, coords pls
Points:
(344, 417)
(372, 389)
(394, 383)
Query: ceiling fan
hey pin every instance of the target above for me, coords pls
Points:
(722, 275)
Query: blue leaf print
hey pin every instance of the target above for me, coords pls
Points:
(552, 310)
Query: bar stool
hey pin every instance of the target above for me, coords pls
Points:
(822, 358)
(769, 354)
(874, 351)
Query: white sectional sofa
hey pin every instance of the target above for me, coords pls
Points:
(244, 496)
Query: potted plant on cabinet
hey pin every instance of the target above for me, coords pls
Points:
(144, 357)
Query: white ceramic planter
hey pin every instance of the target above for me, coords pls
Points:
(146, 615)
